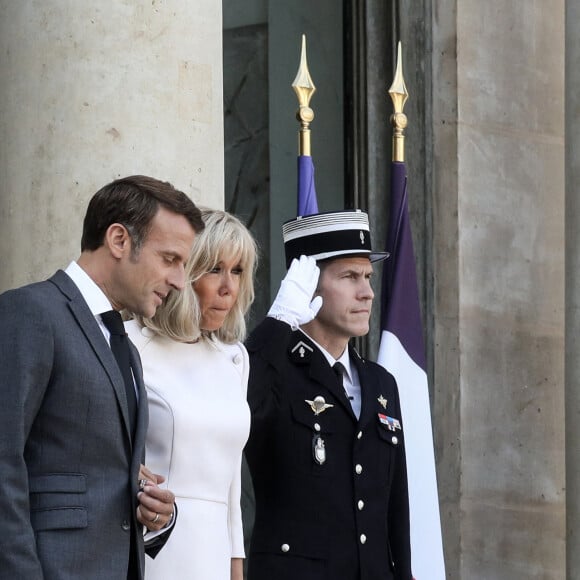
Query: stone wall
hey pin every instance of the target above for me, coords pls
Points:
(572, 287)
(94, 91)
(498, 92)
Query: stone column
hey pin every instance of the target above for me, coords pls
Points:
(499, 277)
(572, 288)
(94, 91)
(446, 359)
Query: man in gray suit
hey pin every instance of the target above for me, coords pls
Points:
(72, 426)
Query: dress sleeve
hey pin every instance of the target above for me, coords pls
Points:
(159, 443)
(245, 370)
(235, 510)
(235, 514)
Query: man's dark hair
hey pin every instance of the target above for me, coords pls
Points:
(133, 202)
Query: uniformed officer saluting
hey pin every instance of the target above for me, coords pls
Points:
(326, 447)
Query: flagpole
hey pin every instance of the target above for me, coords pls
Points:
(307, 203)
(399, 96)
(304, 88)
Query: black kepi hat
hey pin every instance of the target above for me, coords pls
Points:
(328, 235)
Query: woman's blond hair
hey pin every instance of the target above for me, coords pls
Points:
(224, 237)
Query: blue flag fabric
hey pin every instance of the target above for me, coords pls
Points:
(307, 202)
(402, 353)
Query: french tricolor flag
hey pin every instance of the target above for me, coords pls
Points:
(402, 353)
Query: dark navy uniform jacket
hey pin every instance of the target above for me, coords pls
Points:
(331, 490)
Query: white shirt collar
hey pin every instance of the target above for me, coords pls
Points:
(93, 295)
(344, 358)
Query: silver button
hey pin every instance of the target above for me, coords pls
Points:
(126, 526)
(359, 435)
(285, 548)
(363, 538)
(316, 427)
(360, 504)
(237, 359)
(395, 440)
(358, 468)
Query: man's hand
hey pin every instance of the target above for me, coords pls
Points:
(156, 505)
(294, 304)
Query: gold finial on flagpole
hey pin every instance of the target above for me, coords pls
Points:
(304, 89)
(399, 96)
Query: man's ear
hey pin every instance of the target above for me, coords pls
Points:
(118, 241)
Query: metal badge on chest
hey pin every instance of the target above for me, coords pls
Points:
(301, 353)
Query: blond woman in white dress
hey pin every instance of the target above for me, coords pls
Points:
(196, 372)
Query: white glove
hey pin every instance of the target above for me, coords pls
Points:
(294, 304)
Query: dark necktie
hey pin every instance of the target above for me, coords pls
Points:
(120, 347)
(339, 369)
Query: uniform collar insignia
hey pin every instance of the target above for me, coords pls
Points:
(301, 352)
(382, 401)
(301, 347)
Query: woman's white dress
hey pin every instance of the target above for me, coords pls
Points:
(199, 421)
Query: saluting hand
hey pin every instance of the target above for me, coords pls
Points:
(294, 304)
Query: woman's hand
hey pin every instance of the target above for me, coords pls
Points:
(237, 569)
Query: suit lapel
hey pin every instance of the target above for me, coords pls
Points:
(94, 335)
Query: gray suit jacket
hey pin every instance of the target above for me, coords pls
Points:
(68, 468)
